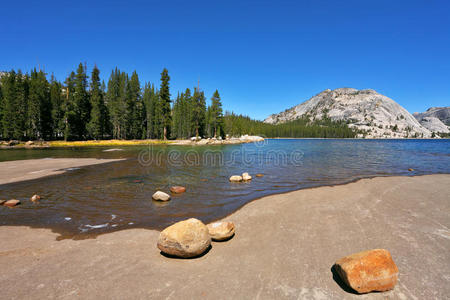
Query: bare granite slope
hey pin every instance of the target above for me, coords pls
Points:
(436, 119)
(378, 115)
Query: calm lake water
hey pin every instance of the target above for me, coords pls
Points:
(96, 199)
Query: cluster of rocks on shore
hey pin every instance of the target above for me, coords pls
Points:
(220, 141)
(192, 238)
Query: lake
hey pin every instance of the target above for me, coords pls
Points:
(97, 199)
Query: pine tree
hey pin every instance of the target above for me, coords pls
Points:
(216, 116)
(134, 108)
(81, 102)
(164, 104)
(98, 123)
(20, 119)
(198, 112)
(39, 122)
(9, 104)
(69, 109)
(57, 101)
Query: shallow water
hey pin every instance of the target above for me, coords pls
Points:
(96, 199)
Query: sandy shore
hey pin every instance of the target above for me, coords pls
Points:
(20, 170)
(285, 246)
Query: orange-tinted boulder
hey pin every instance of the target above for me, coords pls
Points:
(35, 198)
(368, 271)
(177, 189)
(188, 238)
(11, 203)
(220, 231)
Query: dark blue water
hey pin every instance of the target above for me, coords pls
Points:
(116, 196)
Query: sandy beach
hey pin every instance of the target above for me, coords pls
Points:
(285, 246)
(21, 170)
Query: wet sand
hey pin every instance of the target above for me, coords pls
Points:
(285, 246)
(21, 170)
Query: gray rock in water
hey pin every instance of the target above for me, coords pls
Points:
(378, 115)
(161, 196)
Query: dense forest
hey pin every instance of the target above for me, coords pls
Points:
(35, 107)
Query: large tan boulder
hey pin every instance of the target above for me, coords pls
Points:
(160, 196)
(188, 238)
(236, 178)
(177, 189)
(11, 203)
(368, 271)
(220, 231)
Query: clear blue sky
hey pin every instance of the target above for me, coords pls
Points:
(263, 56)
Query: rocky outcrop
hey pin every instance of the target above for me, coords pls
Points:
(220, 231)
(368, 271)
(433, 124)
(442, 113)
(435, 119)
(376, 115)
(161, 196)
(187, 238)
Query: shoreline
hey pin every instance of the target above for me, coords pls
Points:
(298, 235)
(14, 171)
(111, 143)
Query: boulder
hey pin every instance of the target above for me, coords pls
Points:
(236, 178)
(220, 231)
(188, 238)
(161, 196)
(35, 198)
(246, 177)
(29, 143)
(177, 189)
(11, 203)
(410, 169)
(368, 271)
(259, 175)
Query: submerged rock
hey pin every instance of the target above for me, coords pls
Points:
(236, 178)
(368, 271)
(246, 177)
(11, 203)
(35, 198)
(220, 231)
(259, 175)
(410, 169)
(161, 196)
(177, 189)
(188, 238)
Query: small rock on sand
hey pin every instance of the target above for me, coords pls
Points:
(220, 231)
(246, 177)
(188, 238)
(11, 203)
(177, 189)
(368, 271)
(161, 196)
(236, 178)
(35, 198)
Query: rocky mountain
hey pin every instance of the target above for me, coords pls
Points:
(435, 119)
(377, 116)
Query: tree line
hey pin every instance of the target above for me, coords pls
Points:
(33, 106)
